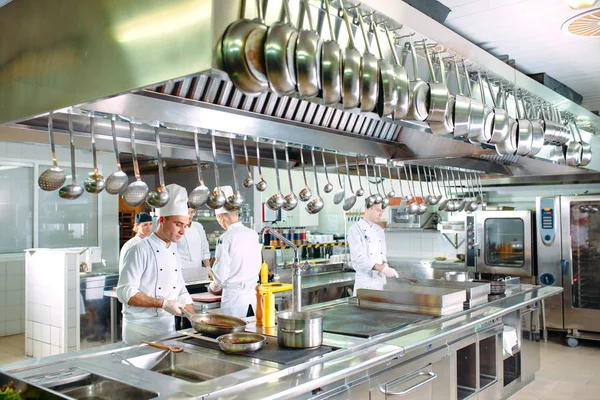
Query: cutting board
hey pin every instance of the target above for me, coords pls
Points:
(205, 297)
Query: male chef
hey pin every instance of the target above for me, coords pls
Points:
(238, 259)
(368, 251)
(194, 251)
(142, 228)
(151, 286)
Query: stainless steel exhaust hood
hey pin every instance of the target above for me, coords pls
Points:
(153, 60)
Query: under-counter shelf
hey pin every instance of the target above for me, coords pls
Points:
(307, 246)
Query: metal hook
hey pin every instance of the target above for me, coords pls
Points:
(353, 7)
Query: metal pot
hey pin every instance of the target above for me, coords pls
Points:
(457, 276)
(241, 342)
(300, 329)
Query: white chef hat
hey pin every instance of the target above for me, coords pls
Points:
(177, 204)
(227, 191)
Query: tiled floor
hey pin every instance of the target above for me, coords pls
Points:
(566, 373)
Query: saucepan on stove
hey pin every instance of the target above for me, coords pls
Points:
(235, 343)
(300, 330)
(215, 324)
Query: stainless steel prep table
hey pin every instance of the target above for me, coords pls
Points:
(267, 380)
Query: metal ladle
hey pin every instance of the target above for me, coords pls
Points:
(159, 196)
(338, 196)
(305, 194)
(249, 181)
(410, 196)
(291, 200)
(350, 200)
(413, 208)
(136, 191)
(438, 197)
(95, 182)
(372, 199)
(117, 181)
(236, 200)
(73, 190)
(261, 185)
(360, 191)
(402, 197)
(199, 195)
(216, 199)
(384, 200)
(423, 205)
(54, 177)
(316, 204)
(452, 204)
(328, 187)
(276, 201)
(462, 204)
(378, 196)
(392, 192)
(443, 204)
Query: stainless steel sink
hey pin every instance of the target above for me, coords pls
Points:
(187, 366)
(95, 387)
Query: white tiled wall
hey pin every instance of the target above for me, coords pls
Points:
(12, 267)
(420, 245)
(12, 295)
(52, 302)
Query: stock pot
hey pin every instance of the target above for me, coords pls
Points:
(300, 330)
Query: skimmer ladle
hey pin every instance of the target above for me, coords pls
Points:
(159, 196)
(216, 199)
(316, 203)
(95, 182)
(136, 191)
(291, 200)
(54, 177)
(199, 195)
(276, 201)
(236, 200)
(73, 190)
(117, 181)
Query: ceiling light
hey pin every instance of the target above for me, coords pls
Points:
(579, 4)
(586, 24)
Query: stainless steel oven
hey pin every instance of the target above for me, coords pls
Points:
(569, 256)
(504, 242)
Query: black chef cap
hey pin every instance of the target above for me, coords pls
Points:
(142, 217)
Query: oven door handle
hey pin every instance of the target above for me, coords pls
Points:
(566, 265)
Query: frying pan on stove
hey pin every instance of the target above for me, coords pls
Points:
(215, 324)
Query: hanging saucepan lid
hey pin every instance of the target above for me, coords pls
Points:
(240, 53)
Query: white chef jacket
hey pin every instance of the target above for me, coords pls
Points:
(193, 248)
(236, 269)
(154, 269)
(367, 248)
(128, 245)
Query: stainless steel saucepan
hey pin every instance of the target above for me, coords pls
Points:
(369, 73)
(351, 67)
(507, 146)
(525, 132)
(402, 82)
(331, 65)
(438, 93)
(462, 106)
(477, 116)
(278, 63)
(500, 118)
(446, 126)
(419, 90)
(537, 139)
(308, 56)
(240, 53)
(387, 98)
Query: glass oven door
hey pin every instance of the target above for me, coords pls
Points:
(504, 243)
(581, 252)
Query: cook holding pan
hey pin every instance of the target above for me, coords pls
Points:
(151, 285)
(237, 265)
(368, 251)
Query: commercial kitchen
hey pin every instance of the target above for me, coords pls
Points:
(469, 125)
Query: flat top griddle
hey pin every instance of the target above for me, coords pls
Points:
(351, 320)
(270, 351)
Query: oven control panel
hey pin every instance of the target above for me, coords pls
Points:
(470, 256)
(547, 220)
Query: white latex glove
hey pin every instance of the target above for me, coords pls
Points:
(214, 288)
(172, 307)
(388, 272)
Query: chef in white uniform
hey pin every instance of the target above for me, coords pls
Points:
(142, 228)
(194, 251)
(368, 251)
(237, 265)
(151, 286)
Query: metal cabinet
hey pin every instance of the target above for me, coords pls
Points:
(530, 346)
(414, 379)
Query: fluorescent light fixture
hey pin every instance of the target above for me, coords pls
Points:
(579, 4)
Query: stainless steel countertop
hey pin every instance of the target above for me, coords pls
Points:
(271, 380)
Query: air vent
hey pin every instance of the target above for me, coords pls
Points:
(586, 24)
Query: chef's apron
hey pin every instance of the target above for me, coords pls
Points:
(155, 321)
(237, 297)
(372, 279)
